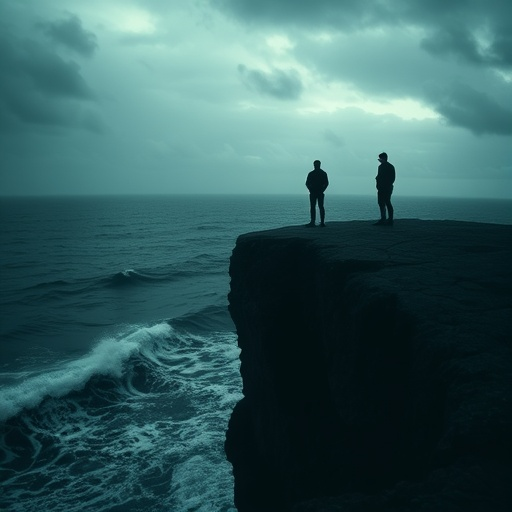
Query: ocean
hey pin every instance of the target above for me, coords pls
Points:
(119, 362)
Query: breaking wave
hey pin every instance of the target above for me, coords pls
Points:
(107, 358)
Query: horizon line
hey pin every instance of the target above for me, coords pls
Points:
(231, 194)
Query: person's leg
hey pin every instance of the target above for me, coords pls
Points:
(321, 208)
(391, 211)
(389, 206)
(381, 200)
(312, 204)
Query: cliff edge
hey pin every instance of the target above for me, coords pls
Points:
(377, 368)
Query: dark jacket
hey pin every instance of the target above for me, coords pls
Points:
(385, 176)
(317, 181)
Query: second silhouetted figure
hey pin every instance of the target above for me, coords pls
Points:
(384, 181)
(316, 183)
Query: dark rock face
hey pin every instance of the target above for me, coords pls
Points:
(377, 368)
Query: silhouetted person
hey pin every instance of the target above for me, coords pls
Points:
(317, 182)
(385, 179)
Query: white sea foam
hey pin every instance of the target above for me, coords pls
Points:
(153, 442)
(106, 358)
(196, 484)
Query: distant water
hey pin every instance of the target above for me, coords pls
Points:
(119, 364)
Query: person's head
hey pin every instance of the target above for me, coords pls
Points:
(317, 164)
(383, 157)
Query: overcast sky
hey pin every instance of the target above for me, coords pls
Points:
(240, 96)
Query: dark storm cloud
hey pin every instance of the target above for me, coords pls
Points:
(281, 85)
(39, 87)
(479, 31)
(463, 106)
(70, 33)
(50, 74)
(454, 40)
(462, 43)
(313, 14)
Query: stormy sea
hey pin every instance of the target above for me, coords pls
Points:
(118, 359)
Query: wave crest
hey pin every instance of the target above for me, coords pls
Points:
(107, 358)
(130, 277)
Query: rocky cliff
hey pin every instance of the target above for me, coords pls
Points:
(376, 366)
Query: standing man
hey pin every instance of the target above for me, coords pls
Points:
(385, 179)
(317, 182)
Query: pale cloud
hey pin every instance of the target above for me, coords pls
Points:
(406, 109)
(280, 44)
(132, 20)
(118, 17)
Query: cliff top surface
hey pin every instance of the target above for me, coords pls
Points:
(363, 239)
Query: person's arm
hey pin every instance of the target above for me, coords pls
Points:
(388, 176)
